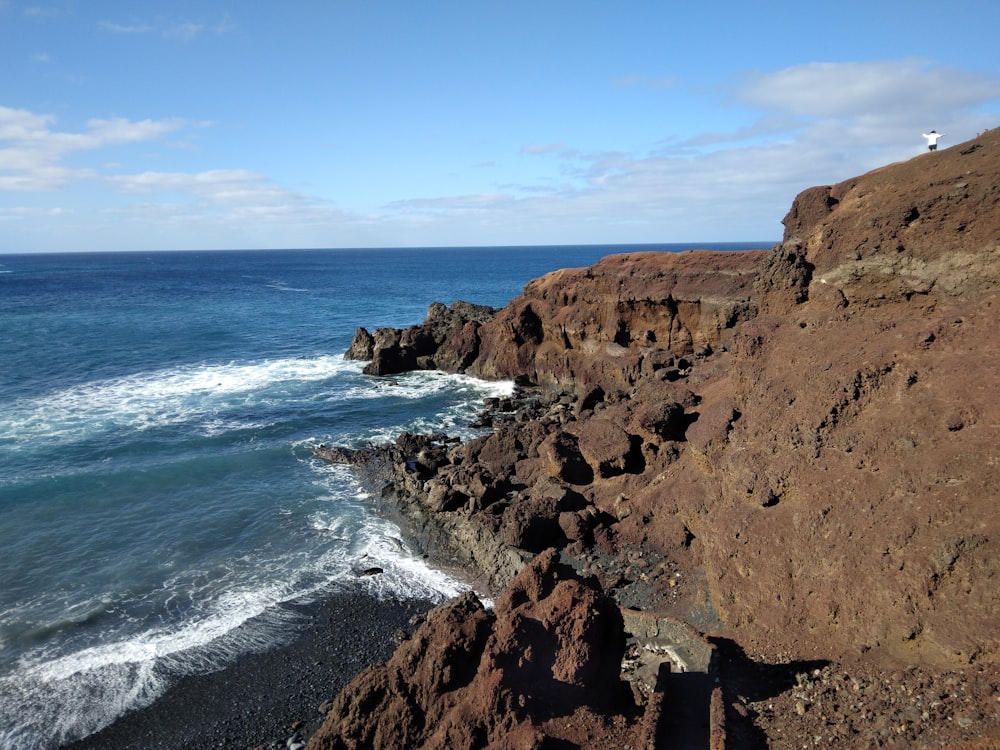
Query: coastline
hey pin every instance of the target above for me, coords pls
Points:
(264, 699)
(738, 438)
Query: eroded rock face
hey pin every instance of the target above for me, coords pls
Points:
(627, 316)
(846, 506)
(471, 678)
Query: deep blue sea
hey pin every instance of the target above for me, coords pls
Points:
(158, 413)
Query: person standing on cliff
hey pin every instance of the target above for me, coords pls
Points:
(932, 139)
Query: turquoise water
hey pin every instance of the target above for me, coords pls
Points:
(157, 488)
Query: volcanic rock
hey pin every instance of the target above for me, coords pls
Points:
(446, 340)
(794, 451)
(551, 649)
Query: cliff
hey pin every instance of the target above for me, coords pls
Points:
(794, 451)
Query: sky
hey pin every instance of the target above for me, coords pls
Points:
(147, 125)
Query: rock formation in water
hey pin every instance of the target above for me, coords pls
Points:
(794, 451)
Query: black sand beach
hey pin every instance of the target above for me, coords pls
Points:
(257, 701)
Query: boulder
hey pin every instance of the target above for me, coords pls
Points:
(532, 524)
(447, 339)
(605, 446)
(712, 425)
(551, 648)
(562, 457)
(659, 420)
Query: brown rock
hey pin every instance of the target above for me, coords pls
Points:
(447, 339)
(389, 356)
(532, 524)
(713, 425)
(594, 327)
(819, 434)
(605, 446)
(561, 454)
(576, 525)
(362, 346)
(659, 420)
(470, 678)
(443, 497)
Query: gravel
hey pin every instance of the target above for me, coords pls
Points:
(907, 708)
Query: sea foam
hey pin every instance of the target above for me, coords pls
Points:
(147, 400)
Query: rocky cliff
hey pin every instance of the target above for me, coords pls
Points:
(794, 451)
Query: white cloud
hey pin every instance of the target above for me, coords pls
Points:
(816, 122)
(41, 179)
(820, 122)
(124, 28)
(20, 123)
(37, 11)
(120, 130)
(183, 30)
(453, 205)
(31, 153)
(21, 213)
(216, 186)
(543, 148)
(211, 203)
(890, 89)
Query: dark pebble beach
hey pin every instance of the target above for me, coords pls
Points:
(269, 699)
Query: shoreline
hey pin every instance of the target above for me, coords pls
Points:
(264, 699)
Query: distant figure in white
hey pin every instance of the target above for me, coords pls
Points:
(932, 139)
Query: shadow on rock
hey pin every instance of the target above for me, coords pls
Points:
(745, 681)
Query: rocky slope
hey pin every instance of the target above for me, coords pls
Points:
(793, 451)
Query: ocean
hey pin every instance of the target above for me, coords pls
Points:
(160, 506)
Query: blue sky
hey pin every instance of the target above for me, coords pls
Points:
(148, 125)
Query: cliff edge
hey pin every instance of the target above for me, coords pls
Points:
(794, 451)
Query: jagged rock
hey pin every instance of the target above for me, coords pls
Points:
(459, 348)
(561, 454)
(577, 526)
(389, 355)
(470, 678)
(362, 346)
(448, 339)
(595, 327)
(443, 497)
(713, 425)
(532, 524)
(659, 420)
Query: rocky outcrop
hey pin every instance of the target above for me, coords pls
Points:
(852, 497)
(792, 450)
(550, 651)
(448, 339)
(627, 317)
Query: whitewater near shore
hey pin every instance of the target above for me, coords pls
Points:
(160, 505)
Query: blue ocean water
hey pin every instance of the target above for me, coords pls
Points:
(157, 487)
